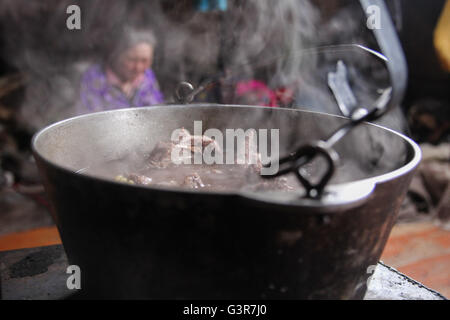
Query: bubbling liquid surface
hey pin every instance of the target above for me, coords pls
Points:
(202, 177)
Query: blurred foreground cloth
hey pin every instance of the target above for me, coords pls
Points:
(442, 37)
(429, 192)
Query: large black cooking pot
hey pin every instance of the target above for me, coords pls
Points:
(166, 243)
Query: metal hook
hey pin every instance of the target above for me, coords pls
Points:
(183, 92)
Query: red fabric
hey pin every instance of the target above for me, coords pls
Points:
(256, 92)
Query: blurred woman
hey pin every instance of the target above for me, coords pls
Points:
(125, 78)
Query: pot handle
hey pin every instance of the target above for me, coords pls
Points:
(335, 197)
(304, 155)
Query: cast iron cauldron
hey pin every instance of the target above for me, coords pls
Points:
(159, 243)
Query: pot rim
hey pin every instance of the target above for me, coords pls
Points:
(363, 187)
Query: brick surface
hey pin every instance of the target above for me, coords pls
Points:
(29, 239)
(421, 250)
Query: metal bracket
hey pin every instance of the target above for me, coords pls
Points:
(338, 83)
(392, 53)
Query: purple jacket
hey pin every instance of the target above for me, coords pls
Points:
(97, 94)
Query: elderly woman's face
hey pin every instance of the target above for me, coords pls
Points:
(133, 62)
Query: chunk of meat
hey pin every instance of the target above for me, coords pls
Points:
(161, 156)
(194, 181)
(161, 170)
(196, 143)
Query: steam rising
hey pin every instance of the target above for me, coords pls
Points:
(253, 39)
